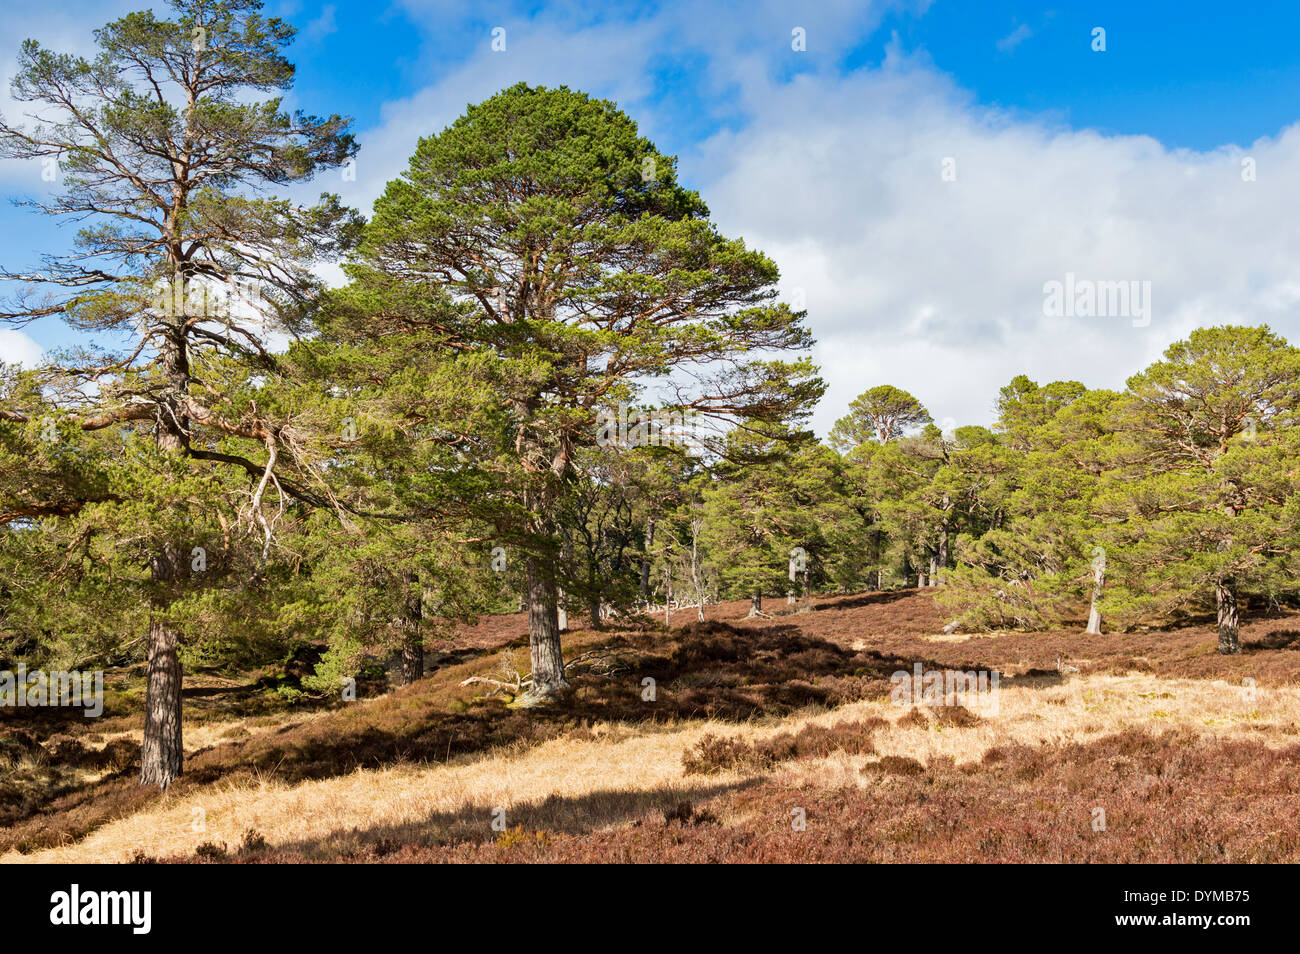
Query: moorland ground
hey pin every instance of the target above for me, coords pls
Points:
(1155, 749)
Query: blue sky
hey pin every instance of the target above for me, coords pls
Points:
(1190, 74)
(1122, 164)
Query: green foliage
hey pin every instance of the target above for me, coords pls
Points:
(1209, 493)
(776, 508)
(881, 414)
(538, 264)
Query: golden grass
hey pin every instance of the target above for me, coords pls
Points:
(207, 734)
(624, 771)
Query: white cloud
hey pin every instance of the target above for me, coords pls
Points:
(68, 32)
(934, 286)
(1014, 38)
(937, 286)
(323, 26)
(726, 45)
(604, 60)
(17, 348)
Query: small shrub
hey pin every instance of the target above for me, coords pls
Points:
(915, 718)
(958, 717)
(685, 813)
(519, 836)
(210, 851)
(895, 765)
(253, 841)
(713, 754)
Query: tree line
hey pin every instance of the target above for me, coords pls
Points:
(236, 459)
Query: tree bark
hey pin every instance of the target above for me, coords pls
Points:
(412, 639)
(645, 560)
(1229, 618)
(697, 578)
(544, 631)
(668, 596)
(934, 563)
(161, 751)
(944, 546)
(756, 604)
(161, 756)
(1094, 611)
(1226, 590)
(566, 560)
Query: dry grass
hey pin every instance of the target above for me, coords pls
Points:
(417, 774)
(617, 773)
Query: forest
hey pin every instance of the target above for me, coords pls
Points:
(548, 384)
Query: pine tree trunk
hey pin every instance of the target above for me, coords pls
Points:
(161, 755)
(944, 545)
(668, 596)
(593, 610)
(879, 558)
(161, 751)
(645, 561)
(412, 639)
(1094, 611)
(933, 570)
(566, 561)
(696, 570)
(1226, 594)
(756, 604)
(412, 660)
(543, 631)
(1229, 618)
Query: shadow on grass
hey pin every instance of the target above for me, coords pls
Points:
(866, 599)
(474, 823)
(1033, 679)
(1277, 639)
(703, 670)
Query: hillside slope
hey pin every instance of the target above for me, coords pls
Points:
(755, 726)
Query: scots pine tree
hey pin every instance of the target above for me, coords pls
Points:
(1210, 497)
(881, 414)
(542, 231)
(164, 153)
